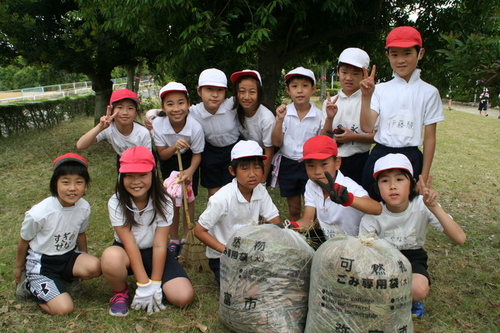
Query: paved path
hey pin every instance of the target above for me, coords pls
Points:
(494, 112)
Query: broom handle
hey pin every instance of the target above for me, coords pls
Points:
(184, 190)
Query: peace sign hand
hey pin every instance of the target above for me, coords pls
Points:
(429, 195)
(331, 107)
(367, 85)
(106, 120)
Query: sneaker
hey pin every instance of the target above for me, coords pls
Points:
(417, 309)
(74, 288)
(22, 291)
(175, 249)
(119, 304)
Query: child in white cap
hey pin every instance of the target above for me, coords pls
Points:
(405, 217)
(295, 123)
(174, 130)
(216, 115)
(239, 203)
(353, 144)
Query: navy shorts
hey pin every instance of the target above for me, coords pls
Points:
(172, 268)
(215, 162)
(46, 274)
(418, 260)
(413, 153)
(172, 164)
(292, 177)
(352, 166)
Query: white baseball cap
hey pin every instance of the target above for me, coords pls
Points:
(172, 86)
(392, 161)
(300, 71)
(246, 72)
(355, 57)
(247, 148)
(212, 77)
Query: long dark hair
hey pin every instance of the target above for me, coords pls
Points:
(157, 193)
(237, 105)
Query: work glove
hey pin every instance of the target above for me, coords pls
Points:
(145, 299)
(288, 225)
(158, 296)
(337, 192)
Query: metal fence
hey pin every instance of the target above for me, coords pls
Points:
(63, 90)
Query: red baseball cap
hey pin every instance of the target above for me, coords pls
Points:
(137, 159)
(246, 72)
(118, 95)
(319, 148)
(67, 158)
(403, 37)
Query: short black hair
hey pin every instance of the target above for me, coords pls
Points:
(68, 168)
(409, 176)
(303, 77)
(244, 161)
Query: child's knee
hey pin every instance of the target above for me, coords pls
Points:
(420, 287)
(59, 305)
(179, 292)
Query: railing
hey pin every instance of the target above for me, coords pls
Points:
(63, 90)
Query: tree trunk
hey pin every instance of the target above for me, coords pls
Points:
(131, 78)
(270, 65)
(103, 87)
(323, 81)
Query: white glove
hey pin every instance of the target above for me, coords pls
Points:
(144, 298)
(158, 296)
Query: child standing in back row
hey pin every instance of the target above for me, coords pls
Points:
(175, 131)
(216, 115)
(118, 126)
(141, 214)
(408, 109)
(353, 144)
(295, 123)
(405, 217)
(255, 121)
(50, 234)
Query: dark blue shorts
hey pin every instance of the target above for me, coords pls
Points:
(172, 268)
(352, 166)
(215, 162)
(292, 177)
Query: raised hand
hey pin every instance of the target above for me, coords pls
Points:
(337, 192)
(106, 120)
(430, 196)
(281, 111)
(331, 106)
(367, 85)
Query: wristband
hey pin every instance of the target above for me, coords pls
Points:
(350, 201)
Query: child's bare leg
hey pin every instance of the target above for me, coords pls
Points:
(294, 207)
(174, 228)
(59, 305)
(114, 263)
(179, 292)
(87, 267)
(419, 287)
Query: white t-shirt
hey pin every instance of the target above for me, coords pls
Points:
(52, 229)
(335, 219)
(228, 210)
(405, 230)
(165, 136)
(221, 128)
(404, 109)
(296, 132)
(259, 128)
(139, 137)
(144, 233)
(348, 114)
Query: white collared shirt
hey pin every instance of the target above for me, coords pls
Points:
(139, 137)
(259, 128)
(192, 132)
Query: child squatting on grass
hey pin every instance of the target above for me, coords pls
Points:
(337, 201)
(118, 125)
(47, 259)
(242, 202)
(141, 214)
(174, 131)
(405, 217)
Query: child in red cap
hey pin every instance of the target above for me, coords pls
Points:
(141, 214)
(118, 125)
(47, 262)
(337, 201)
(407, 108)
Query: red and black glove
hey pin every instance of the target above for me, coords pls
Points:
(288, 225)
(337, 192)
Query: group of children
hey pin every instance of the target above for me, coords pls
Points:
(323, 156)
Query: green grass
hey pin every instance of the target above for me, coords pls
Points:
(464, 296)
